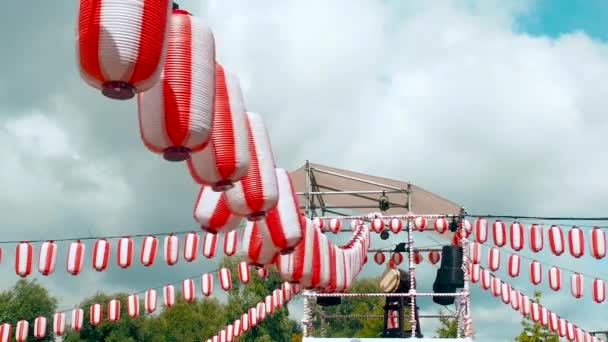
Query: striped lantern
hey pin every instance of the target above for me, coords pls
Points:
(231, 242)
(397, 258)
(474, 272)
(21, 330)
(75, 257)
(237, 327)
(553, 321)
(244, 273)
(597, 243)
(556, 240)
(261, 309)
(47, 258)
(262, 272)
(169, 295)
(514, 265)
(417, 257)
(245, 321)
(171, 249)
(505, 293)
(148, 250)
(486, 279)
(515, 299)
(354, 224)
(561, 327)
(101, 255)
(23, 259)
(257, 247)
(257, 192)
(576, 285)
(494, 259)
(253, 316)
(467, 226)
(222, 336)
(133, 306)
(188, 291)
(285, 222)
(536, 238)
(209, 245)
(5, 332)
(269, 304)
(300, 265)
(481, 230)
(379, 258)
(576, 242)
(395, 225)
(525, 305)
(229, 333)
(114, 310)
(475, 252)
(211, 211)
(287, 291)
(191, 246)
(335, 224)
(175, 115)
(150, 300)
(319, 223)
(570, 331)
(125, 252)
(59, 323)
(441, 225)
(420, 223)
(496, 287)
(499, 233)
(77, 319)
(40, 327)
(225, 279)
(95, 314)
(226, 159)
(536, 272)
(207, 284)
(535, 312)
(377, 225)
(555, 278)
(516, 234)
(122, 45)
(599, 290)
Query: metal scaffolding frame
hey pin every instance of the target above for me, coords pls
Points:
(314, 202)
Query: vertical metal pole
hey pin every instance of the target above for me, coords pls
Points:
(412, 268)
(464, 319)
(306, 317)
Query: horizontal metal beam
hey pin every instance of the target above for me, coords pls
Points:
(356, 179)
(353, 207)
(353, 192)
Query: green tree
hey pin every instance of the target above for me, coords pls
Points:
(27, 300)
(448, 327)
(535, 332)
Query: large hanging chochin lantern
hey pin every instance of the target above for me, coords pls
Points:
(226, 159)
(122, 44)
(175, 115)
(257, 192)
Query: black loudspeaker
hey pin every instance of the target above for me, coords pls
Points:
(329, 301)
(450, 273)
(439, 287)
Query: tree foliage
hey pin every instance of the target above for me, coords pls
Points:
(448, 327)
(533, 332)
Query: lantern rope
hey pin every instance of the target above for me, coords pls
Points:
(521, 292)
(369, 217)
(86, 238)
(545, 218)
(382, 316)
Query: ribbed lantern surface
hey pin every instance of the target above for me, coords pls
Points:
(122, 44)
(175, 115)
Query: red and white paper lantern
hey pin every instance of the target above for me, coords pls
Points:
(225, 279)
(191, 243)
(23, 259)
(576, 242)
(499, 233)
(434, 257)
(397, 258)
(40, 327)
(599, 290)
(536, 238)
(171, 250)
(122, 46)
(21, 330)
(395, 225)
(576, 285)
(514, 265)
(379, 258)
(525, 305)
(47, 258)
(257, 192)
(207, 284)
(169, 295)
(261, 309)
(75, 257)
(230, 242)
(209, 245)
(101, 255)
(486, 279)
(237, 327)
(505, 293)
(211, 211)
(598, 243)
(188, 290)
(553, 321)
(335, 224)
(5, 332)
(420, 223)
(319, 223)
(496, 287)
(481, 230)
(148, 250)
(133, 306)
(441, 225)
(475, 252)
(253, 317)
(77, 319)
(515, 299)
(417, 258)
(59, 323)
(516, 234)
(229, 333)
(114, 310)
(285, 222)
(474, 272)
(570, 331)
(494, 259)
(257, 246)
(262, 272)
(95, 314)
(377, 225)
(556, 240)
(535, 312)
(561, 327)
(175, 115)
(544, 316)
(125, 252)
(269, 304)
(245, 321)
(150, 300)
(555, 278)
(244, 273)
(226, 159)
(536, 272)
(468, 227)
